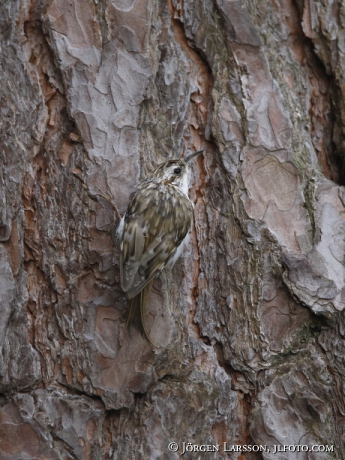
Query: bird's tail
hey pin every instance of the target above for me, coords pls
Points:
(137, 310)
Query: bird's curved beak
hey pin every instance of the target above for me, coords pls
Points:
(192, 155)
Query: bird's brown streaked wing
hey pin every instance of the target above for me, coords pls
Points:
(132, 247)
(140, 263)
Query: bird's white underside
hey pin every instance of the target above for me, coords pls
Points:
(179, 251)
(184, 186)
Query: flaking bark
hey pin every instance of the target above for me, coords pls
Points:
(94, 95)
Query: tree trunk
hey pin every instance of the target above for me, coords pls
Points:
(249, 323)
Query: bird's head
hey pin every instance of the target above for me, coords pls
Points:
(175, 172)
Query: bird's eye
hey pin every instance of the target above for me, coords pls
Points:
(177, 170)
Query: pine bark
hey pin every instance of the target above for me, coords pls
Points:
(250, 323)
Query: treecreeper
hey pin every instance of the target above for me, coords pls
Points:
(153, 232)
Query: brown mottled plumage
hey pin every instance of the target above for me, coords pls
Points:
(152, 232)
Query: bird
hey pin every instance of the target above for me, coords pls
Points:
(153, 231)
